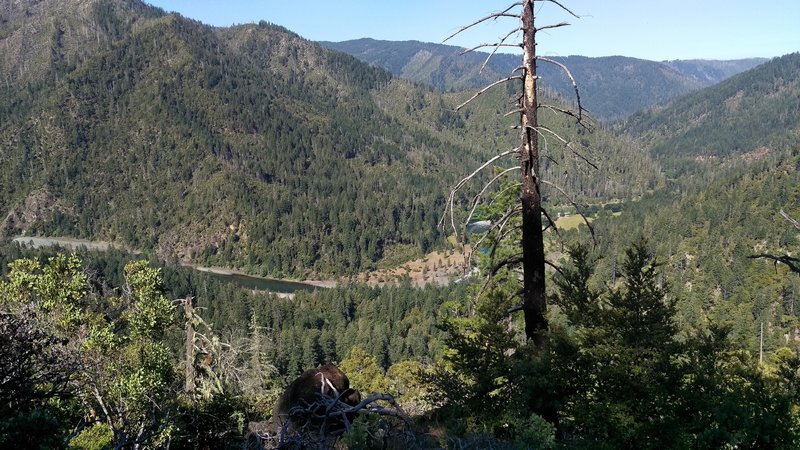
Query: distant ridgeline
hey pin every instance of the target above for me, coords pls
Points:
(612, 87)
(244, 147)
(747, 117)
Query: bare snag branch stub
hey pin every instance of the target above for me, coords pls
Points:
(496, 15)
(482, 91)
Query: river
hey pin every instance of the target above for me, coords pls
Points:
(283, 287)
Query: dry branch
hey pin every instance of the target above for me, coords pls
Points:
(515, 111)
(791, 262)
(496, 15)
(476, 200)
(553, 224)
(571, 79)
(789, 218)
(568, 112)
(464, 181)
(488, 44)
(326, 419)
(497, 47)
(567, 144)
(555, 267)
(560, 6)
(479, 93)
(516, 308)
(550, 27)
(574, 204)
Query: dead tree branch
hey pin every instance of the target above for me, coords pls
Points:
(571, 79)
(555, 228)
(492, 16)
(487, 44)
(504, 80)
(791, 262)
(567, 144)
(502, 43)
(574, 204)
(555, 2)
(327, 418)
(791, 220)
(464, 181)
(476, 200)
(555, 267)
(568, 112)
(550, 27)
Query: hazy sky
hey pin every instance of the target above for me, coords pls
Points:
(649, 29)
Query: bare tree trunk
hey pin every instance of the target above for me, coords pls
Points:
(534, 305)
(188, 308)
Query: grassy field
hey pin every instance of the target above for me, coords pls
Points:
(570, 222)
(575, 220)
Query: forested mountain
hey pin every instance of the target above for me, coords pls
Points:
(176, 136)
(704, 235)
(245, 146)
(734, 152)
(709, 71)
(748, 115)
(613, 87)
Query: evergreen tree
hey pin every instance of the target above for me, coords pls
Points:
(623, 373)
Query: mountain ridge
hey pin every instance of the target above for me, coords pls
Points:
(749, 112)
(613, 87)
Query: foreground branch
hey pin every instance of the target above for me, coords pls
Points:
(493, 16)
(791, 262)
(504, 80)
(791, 220)
(575, 205)
(463, 181)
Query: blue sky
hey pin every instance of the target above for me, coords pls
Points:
(649, 29)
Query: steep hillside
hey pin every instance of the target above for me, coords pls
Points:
(733, 151)
(246, 146)
(752, 113)
(613, 87)
(42, 39)
(210, 144)
(705, 235)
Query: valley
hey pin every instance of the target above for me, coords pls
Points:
(439, 268)
(283, 287)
